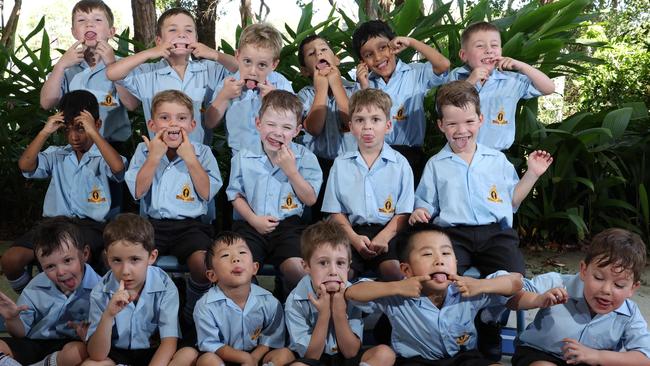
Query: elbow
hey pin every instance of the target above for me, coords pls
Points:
(517, 282)
(311, 200)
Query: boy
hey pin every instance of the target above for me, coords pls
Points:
(176, 40)
(237, 322)
(325, 105)
(271, 181)
(79, 186)
(472, 190)
(323, 328)
(370, 190)
(83, 66)
(238, 98)
(174, 178)
(593, 319)
(376, 46)
(134, 308)
(432, 310)
(499, 87)
(51, 312)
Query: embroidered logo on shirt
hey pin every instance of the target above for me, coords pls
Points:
(462, 340)
(185, 194)
(494, 195)
(335, 349)
(401, 115)
(500, 118)
(96, 196)
(288, 203)
(388, 205)
(256, 334)
(108, 101)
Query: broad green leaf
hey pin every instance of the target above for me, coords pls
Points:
(404, 20)
(305, 20)
(617, 121)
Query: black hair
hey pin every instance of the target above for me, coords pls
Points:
(74, 102)
(307, 40)
(53, 233)
(367, 30)
(225, 237)
(404, 239)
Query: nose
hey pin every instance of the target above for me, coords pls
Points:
(235, 259)
(60, 271)
(606, 288)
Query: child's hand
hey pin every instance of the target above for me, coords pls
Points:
(362, 75)
(105, 52)
(250, 361)
(363, 245)
(285, 160)
(419, 215)
(539, 161)
(399, 44)
(379, 244)
(73, 56)
(164, 50)
(467, 286)
(88, 122)
(478, 74)
(54, 122)
(507, 63)
(265, 88)
(8, 308)
(81, 328)
(265, 224)
(231, 88)
(199, 50)
(320, 79)
(333, 75)
(339, 304)
(412, 286)
(322, 303)
(185, 150)
(554, 296)
(157, 147)
(119, 301)
(576, 353)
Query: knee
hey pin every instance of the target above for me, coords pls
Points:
(208, 359)
(196, 265)
(380, 355)
(293, 270)
(72, 353)
(15, 259)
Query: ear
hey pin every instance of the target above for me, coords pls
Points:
(85, 253)
(389, 124)
(256, 267)
(158, 40)
(258, 123)
(480, 119)
(111, 31)
(192, 125)
(305, 266)
(297, 130)
(406, 269)
(275, 64)
(211, 275)
(635, 287)
(151, 125)
(462, 54)
(583, 270)
(337, 60)
(153, 256)
(440, 125)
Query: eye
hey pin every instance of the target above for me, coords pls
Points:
(322, 263)
(263, 65)
(427, 254)
(247, 61)
(49, 268)
(243, 252)
(68, 260)
(311, 53)
(341, 263)
(224, 255)
(619, 285)
(116, 260)
(375, 119)
(598, 277)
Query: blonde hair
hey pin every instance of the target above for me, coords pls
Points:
(171, 96)
(282, 101)
(262, 35)
(371, 97)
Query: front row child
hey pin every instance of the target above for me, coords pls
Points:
(271, 182)
(432, 311)
(134, 308)
(588, 318)
(51, 312)
(324, 328)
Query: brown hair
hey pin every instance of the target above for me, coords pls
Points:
(171, 96)
(131, 228)
(474, 28)
(55, 232)
(620, 248)
(325, 232)
(226, 238)
(458, 93)
(262, 35)
(86, 6)
(170, 13)
(371, 97)
(282, 101)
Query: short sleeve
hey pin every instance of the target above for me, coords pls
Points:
(168, 318)
(209, 337)
(310, 170)
(134, 167)
(426, 195)
(97, 306)
(236, 182)
(273, 333)
(45, 161)
(636, 336)
(406, 199)
(298, 327)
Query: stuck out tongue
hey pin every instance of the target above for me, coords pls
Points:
(322, 64)
(439, 277)
(251, 84)
(462, 142)
(70, 283)
(90, 35)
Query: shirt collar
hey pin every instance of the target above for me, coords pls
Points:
(466, 71)
(152, 282)
(400, 67)
(446, 152)
(387, 153)
(164, 68)
(216, 294)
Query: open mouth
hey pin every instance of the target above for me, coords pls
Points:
(382, 65)
(174, 135)
(322, 64)
(487, 60)
(69, 282)
(462, 141)
(250, 83)
(90, 35)
(237, 270)
(603, 303)
(439, 277)
(274, 142)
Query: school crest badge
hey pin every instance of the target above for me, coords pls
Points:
(401, 114)
(186, 194)
(256, 334)
(289, 204)
(96, 196)
(462, 340)
(389, 207)
(501, 120)
(108, 101)
(494, 195)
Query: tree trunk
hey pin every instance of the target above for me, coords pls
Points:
(246, 12)
(206, 18)
(9, 29)
(144, 22)
(370, 7)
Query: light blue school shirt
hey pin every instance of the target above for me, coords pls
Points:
(621, 328)
(50, 310)
(455, 193)
(499, 97)
(198, 83)
(77, 188)
(370, 195)
(115, 121)
(155, 311)
(265, 187)
(329, 144)
(407, 87)
(242, 110)
(421, 329)
(302, 315)
(221, 322)
(172, 194)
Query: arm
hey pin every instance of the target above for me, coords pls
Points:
(397, 223)
(538, 162)
(231, 88)
(51, 90)
(199, 176)
(11, 314)
(258, 353)
(199, 50)
(360, 243)
(287, 162)
(262, 224)
(113, 159)
(506, 285)
(531, 300)
(577, 353)
(541, 82)
(319, 333)
(371, 290)
(99, 344)
(229, 354)
(126, 98)
(144, 178)
(348, 342)
(315, 120)
(120, 69)
(28, 161)
(438, 62)
(165, 352)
